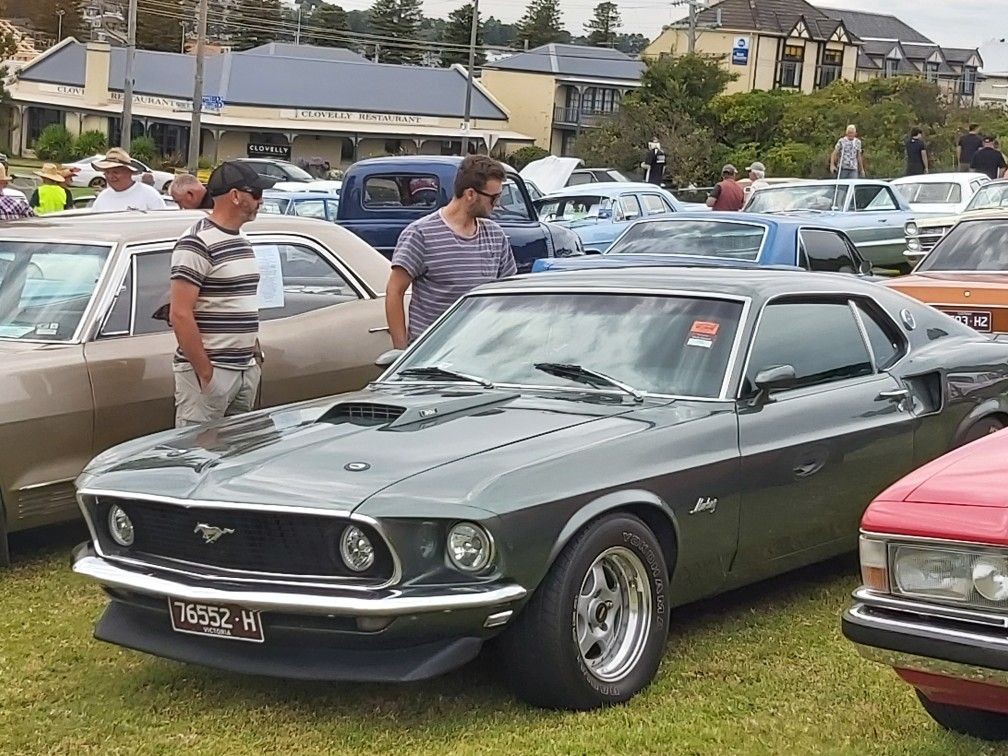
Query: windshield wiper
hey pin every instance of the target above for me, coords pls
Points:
(584, 375)
(436, 371)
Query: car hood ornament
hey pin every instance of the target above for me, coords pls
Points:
(211, 533)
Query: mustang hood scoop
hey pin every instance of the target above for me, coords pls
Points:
(420, 410)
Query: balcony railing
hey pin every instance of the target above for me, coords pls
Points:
(584, 117)
(827, 73)
(789, 74)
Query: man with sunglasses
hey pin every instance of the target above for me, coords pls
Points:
(214, 308)
(449, 252)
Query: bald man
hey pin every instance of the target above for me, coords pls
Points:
(189, 193)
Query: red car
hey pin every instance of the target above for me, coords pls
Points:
(934, 599)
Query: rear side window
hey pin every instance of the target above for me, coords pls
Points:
(409, 191)
(827, 251)
(655, 204)
(630, 206)
(883, 335)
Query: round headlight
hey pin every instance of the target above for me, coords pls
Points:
(990, 577)
(356, 549)
(913, 244)
(469, 546)
(120, 526)
(910, 228)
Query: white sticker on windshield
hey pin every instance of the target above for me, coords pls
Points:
(46, 329)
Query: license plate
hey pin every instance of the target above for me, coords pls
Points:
(978, 320)
(215, 620)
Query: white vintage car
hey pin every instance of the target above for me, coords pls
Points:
(924, 232)
(88, 176)
(945, 193)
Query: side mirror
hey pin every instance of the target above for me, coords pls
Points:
(773, 379)
(387, 358)
(865, 268)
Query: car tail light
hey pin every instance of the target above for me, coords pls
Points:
(874, 564)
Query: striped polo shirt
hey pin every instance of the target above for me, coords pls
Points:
(444, 265)
(222, 264)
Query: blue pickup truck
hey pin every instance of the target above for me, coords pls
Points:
(381, 196)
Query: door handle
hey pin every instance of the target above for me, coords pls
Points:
(900, 393)
(377, 329)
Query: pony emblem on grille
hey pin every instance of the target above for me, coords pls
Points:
(211, 533)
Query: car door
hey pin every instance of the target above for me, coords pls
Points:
(815, 452)
(516, 215)
(878, 232)
(827, 251)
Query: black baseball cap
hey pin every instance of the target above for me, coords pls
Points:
(234, 174)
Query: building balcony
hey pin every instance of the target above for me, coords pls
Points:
(827, 73)
(575, 117)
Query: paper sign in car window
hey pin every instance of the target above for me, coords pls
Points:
(271, 290)
(702, 334)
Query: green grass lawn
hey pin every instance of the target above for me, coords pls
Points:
(762, 670)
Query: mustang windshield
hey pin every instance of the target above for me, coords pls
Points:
(989, 197)
(659, 344)
(698, 238)
(45, 287)
(789, 198)
(971, 246)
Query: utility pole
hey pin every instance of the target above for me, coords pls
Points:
(59, 32)
(297, 35)
(126, 132)
(692, 25)
(182, 28)
(197, 99)
(469, 82)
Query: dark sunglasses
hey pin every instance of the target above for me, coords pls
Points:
(494, 198)
(255, 193)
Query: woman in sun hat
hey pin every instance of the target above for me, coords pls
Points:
(52, 196)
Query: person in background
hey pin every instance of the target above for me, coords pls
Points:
(148, 178)
(449, 252)
(757, 176)
(52, 196)
(727, 194)
(5, 189)
(13, 205)
(847, 158)
(654, 162)
(123, 191)
(916, 153)
(967, 146)
(214, 305)
(989, 160)
(189, 193)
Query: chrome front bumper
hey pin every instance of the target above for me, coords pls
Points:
(380, 603)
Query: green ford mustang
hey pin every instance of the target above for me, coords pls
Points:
(558, 462)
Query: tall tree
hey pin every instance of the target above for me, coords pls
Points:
(325, 21)
(260, 26)
(397, 21)
(604, 26)
(458, 31)
(157, 31)
(497, 33)
(45, 15)
(541, 24)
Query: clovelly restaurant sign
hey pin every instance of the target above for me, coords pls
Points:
(391, 119)
(282, 151)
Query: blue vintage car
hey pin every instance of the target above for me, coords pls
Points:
(725, 238)
(871, 212)
(322, 205)
(600, 212)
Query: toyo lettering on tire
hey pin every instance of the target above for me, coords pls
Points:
(594, 631)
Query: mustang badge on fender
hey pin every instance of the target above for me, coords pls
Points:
(708, 504)
(211, 533)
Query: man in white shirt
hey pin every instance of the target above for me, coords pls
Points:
(757, 177)
(123, 192)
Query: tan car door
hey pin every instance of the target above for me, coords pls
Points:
(324, 336)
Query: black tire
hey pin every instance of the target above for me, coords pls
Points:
(98, 182)
(983, 427)
(542, 659)
(987, 725)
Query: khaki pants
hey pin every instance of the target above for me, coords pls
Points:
(230, 392)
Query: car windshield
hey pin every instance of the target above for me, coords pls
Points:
(676, 345)
(923, 192)
(45, 288)
(274, 205)
(971, 245)
(296, 174)
(587, 207)
(989, 197)
(700, 238)
(787, 198)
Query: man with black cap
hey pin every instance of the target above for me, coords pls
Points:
(214, 307)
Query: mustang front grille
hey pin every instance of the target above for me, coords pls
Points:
(244, 540)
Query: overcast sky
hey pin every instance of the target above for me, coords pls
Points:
(954, 23)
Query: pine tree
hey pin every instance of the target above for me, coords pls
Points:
(325, 21)
(256, 27)
(603, 29)
(155, 31)
(44, 15)
(457, 32)
(397, 21)
(541, 24)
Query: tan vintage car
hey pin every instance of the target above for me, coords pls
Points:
(84, 364)
(966, 273)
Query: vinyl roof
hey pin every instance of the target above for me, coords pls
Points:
(271, 76)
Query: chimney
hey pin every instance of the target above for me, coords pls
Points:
(97, 60)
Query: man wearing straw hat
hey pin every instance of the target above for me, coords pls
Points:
(13, 204)
(51, 196)
(123, 192)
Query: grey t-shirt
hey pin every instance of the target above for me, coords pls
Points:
(444, 265)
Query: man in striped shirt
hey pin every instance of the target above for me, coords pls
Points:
(214, 304)
(449, 252)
